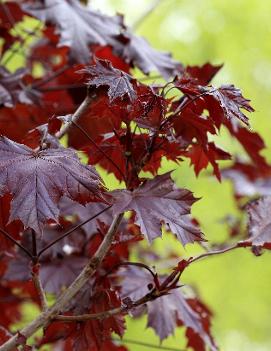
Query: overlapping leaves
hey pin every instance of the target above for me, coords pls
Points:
(38, 179)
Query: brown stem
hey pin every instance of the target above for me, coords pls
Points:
(213, 253)
(146, 344)
(37, 283)
(44, 318)
(77, 114)
(88, 317)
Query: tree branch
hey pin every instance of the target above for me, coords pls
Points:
(77, 114)
(44, 318)
(88, 317)
(213, 253)
(37, 282)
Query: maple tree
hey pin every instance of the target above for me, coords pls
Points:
(64, 236)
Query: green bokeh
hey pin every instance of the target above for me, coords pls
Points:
(236, 285)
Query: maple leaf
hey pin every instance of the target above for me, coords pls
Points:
(167, 311)
(259, 223)
(119, 82)
(138, 52)
(204, 74)
(202, 155)
(231, 100)
(78, 26)
(38, 179)
(134, 282)
(149, 202)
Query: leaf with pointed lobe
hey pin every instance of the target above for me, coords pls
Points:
(202, 155)
(231, 101)
(137, 51)
(203, 74)
(38, 179)
(78, 26)
(149, 202)
(102, 73)
(166, 312)
(190, 124)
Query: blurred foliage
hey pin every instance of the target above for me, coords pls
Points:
(236, 285)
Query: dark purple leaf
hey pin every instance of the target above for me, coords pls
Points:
(157, 201)
(139, 53)
(38, 179)
(78, 26)
(231, 101)
(119, 82)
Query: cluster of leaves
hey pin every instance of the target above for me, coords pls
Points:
(55, 210)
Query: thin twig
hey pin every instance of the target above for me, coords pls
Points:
(77, 114)
(143, 17)
(72, 230)
(9, 237)
(146, 344)
(213, 253)
(91, 316)
(44, 318)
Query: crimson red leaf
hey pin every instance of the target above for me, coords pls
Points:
(150, 201)
(202, 155)
(38, 179)
(204, 74)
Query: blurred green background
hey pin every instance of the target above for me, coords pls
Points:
(237, 285)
